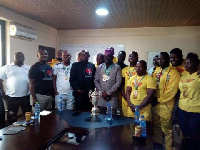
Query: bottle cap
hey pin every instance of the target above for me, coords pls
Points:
(109, 104)
(142, 116)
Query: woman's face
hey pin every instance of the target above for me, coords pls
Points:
(190, 66)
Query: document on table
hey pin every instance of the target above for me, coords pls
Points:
(13, 130)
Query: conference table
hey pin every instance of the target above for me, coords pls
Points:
(103, 135)
(99, 133)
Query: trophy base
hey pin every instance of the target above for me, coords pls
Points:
(93, 119)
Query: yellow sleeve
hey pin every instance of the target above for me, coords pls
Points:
(171, 87)
(151, 84)
(123, 72)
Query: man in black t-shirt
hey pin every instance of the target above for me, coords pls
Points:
(41, 81)
(82, 81)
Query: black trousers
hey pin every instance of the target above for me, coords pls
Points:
(15, 102)
(82, 102)
(190, 126)
(2, 113)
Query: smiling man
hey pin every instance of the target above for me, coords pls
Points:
(61, 76)
(167, 79)
(176, 59)
(41, 81)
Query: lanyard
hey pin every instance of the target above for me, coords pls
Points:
(137, 84)
(107, 71)
(160, 73)
(130, 73)
(67, 68)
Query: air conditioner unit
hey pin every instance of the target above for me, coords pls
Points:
(21, 31)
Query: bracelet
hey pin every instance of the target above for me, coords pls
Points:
(130, 105)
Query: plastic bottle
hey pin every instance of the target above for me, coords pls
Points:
(59, 105)
(109, 114)
(143, 125)
(137, 115)
(63, 104)
(37, 110)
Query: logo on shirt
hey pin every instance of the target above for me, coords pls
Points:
(130, 74)
(89, 71)
(47, 74)
(133, 83)
(187, 80)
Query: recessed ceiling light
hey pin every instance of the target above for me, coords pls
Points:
(102, 12)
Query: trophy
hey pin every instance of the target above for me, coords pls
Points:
(94, 98)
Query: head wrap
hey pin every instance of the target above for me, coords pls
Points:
(108, 52)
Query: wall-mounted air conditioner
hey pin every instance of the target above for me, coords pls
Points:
(21, 31)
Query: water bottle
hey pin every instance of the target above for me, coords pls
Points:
(109, 114)
(59, 105)
(63, 104)
(37, 110)
(143, 125)
(137, 115)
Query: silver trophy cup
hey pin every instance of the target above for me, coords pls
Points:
(94, 98)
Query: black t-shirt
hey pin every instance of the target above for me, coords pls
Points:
(82, 76)
(42, 73)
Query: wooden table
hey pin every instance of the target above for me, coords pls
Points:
(108, 138)
(113, 138)
(40, 135)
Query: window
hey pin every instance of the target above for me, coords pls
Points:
(2, 43)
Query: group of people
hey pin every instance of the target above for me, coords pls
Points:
(170, 88)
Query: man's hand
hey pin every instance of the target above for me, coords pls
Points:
(34, 101)
(56, 93)
(132, 107)
(104, 95)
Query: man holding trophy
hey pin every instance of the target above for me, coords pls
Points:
(107, 80)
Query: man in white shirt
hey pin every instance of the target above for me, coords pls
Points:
(17, 92)
(61, 76)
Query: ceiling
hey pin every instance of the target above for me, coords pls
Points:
(80, 14)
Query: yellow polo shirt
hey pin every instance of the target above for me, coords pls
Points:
(146, 83)
(189, 86)
(128, 72)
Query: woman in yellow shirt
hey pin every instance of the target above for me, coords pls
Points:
(189, 103)
(140, 89)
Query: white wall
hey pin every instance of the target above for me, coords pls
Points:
(46, 37)
(141, 40)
